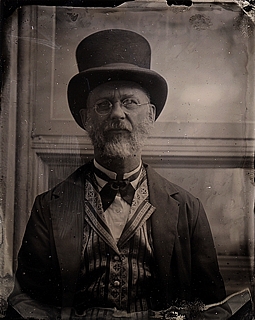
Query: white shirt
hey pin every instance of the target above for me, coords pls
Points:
(117, 213)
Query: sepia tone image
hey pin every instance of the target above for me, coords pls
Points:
(127, 162)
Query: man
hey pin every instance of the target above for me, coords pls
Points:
(115, 238)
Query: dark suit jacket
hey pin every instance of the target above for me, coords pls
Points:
(186, 262)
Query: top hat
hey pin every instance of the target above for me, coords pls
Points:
(111, 55)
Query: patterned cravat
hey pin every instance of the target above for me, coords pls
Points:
(112, 187)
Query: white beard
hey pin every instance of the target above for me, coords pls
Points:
(120, 145)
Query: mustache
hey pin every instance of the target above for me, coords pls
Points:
(118, 125)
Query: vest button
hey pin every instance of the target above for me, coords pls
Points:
(116, 283)
(116, 258)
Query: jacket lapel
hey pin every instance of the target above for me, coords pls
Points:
(67, 212)
(164, 223)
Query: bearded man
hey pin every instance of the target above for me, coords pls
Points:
(115, 239)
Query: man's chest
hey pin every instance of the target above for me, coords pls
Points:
(115, 271)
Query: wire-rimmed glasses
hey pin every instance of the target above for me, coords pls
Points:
(103, 106)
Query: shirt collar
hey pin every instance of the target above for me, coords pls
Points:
(113, 175)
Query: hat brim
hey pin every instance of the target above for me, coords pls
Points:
(84, 82)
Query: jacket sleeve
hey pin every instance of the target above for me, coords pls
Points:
(207, 283)
(38, 272)
(194, 264)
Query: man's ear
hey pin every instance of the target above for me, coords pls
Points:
(152, 112)
(83, 115)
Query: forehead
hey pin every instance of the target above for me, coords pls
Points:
(118, 89)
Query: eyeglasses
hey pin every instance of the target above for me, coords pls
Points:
(104, 106)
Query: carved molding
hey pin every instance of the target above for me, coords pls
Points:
(159, 151)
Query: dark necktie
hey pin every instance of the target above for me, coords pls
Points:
(112, 187)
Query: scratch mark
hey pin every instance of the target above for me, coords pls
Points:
(43, 42)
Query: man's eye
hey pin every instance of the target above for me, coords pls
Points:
(130, 103)
(103, 105)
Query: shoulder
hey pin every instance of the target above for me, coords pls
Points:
(170, 199)
(71, 184)
(155, 180)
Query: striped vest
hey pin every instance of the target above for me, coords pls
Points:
(116, 275)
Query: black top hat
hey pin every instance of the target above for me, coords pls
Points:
(111, 55)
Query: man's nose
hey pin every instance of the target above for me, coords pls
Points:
(117, 111)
